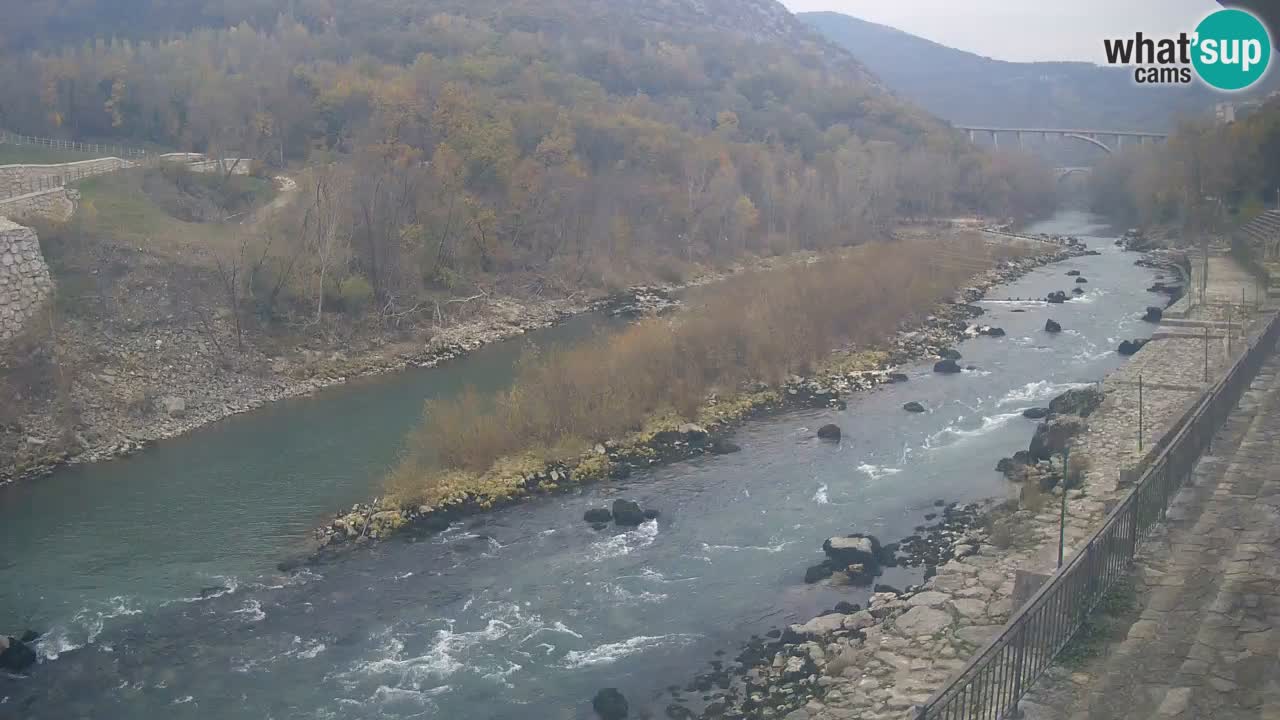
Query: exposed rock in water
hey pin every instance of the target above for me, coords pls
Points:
(627, 512)
(946, 366)
(640, 301)
(1073, 273)
(913, 407)
(992, 331)
(863, 549)
(1052, 326)
(949, 354)
(897, 377)
(858, 556)
(1077, 291)
(1081, 281)
(1053, 436)
(816, 573)
(1154, 315)
(29, 636)
(1035, 413)
(15, 655)
(829, 432)
(723, 447)
(609, 704)
(1130, 347)
(1056, 297)
(597, 515)
(1077, 401)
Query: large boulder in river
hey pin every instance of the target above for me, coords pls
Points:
(851, 549)
(1081, 281)
(1057, 297)
(1077, 401)
(992, 331)
(597, 515)
(829, 432)
(913, 407)
(627, 512)
(1036, 413)
(1154, 314)
(1077, 291)
(609, 704)
(816, 573)
(1073, 273)
(946, 366)
(1053, 436)
(1052, 326)
(15, 655)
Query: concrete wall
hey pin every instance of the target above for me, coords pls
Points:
(24, 179)
(25, 283)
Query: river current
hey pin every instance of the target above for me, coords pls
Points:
(153, 575)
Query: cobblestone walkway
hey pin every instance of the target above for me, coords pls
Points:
(1206, 643)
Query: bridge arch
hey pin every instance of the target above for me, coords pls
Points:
(1105, 147)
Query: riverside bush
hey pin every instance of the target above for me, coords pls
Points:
(760, 326)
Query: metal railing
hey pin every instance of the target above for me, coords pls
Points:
(995, 679)
(106, 149)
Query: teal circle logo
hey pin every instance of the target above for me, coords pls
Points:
(1232, 49)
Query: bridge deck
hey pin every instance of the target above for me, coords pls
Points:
(1059, 131)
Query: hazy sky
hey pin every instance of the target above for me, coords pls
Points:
(1024, 29)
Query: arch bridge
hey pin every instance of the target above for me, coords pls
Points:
(1091, 136)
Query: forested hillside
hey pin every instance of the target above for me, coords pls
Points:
(965, 88)
(481, 136)
(1205, 176)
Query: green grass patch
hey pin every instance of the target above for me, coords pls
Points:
(41, 155)
(120, 210)
(1108, 623)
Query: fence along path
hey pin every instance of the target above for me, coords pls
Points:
(996, 678)
(103, 149)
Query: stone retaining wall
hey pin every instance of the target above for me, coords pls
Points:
(25, 283)
(56, 204)
(24, 179)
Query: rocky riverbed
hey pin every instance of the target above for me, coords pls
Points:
(884, 660)
(880, 661)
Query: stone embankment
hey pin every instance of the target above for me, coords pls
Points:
(24, 179)
(25, 283)
(881, 662)
(671, 439)
(1199, 639)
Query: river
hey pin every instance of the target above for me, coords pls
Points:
(524, 612)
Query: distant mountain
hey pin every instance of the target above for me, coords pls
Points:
(965, 88)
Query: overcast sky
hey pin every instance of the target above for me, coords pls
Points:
(1023, 30)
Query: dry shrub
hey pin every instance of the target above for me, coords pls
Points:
(759, 326)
